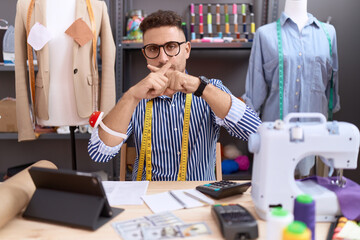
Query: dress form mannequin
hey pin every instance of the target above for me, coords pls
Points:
(62, 106)
(310, 72)
(67, 87)
(297, 11)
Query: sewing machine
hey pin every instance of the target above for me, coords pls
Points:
(279, 146)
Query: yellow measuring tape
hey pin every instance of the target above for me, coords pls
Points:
(31, 59)
(93, 28)
(146, 142)
(30, 49)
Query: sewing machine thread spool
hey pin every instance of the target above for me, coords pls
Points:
(296, 231)
(277, 221)
(304, 211)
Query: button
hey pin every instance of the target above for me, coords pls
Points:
(295, 106)
(300, 53)
(175, 129)
(173, 105)
(178, 153)
(298, 80)
(75, 70)
(299, 66)
(297, 93)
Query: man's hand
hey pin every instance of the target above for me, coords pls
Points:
(153, 85)
(178, 81)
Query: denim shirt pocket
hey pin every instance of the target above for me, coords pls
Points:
(320, 77)
(271, 68)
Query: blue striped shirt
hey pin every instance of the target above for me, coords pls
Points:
(167, 127)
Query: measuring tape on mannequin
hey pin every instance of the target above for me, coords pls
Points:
(31, 57)
(145, 150)
(281, 71)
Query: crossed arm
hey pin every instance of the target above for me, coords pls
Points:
(161, 81)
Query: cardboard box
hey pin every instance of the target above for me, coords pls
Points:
(8, 115)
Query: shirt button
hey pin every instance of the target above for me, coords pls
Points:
(298, 80)
(295, 106)
(75, 70)
(175, 129)
(299, 66)
(178, 153)
(300, 53)
(297, 93)
(173, 105)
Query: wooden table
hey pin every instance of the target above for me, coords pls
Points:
(20, 228)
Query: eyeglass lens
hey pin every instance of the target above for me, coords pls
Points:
(171, 49)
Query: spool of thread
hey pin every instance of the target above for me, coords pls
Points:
(304, 211)
(296, 231)
(277, 220)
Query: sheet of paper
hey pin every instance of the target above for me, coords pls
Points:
(125, 193)
(162, 202)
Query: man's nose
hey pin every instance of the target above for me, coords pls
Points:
(163, 58)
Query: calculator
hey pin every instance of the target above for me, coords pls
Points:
(224, 188)
(235, 221)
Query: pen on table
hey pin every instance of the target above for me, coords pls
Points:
(201, 21)
(243, 12)
(227, 25)
(218, 28)
(192, 25)
(209, 21)
(196, 198)
(236, 30)
(177, 199)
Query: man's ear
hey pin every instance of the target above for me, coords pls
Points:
(187, 49)
(143, 52)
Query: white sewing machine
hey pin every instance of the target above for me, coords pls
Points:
(279, 146)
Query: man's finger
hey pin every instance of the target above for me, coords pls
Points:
(152, 68)
(164, 68)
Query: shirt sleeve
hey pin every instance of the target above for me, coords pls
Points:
(99, 151)
(256, 89)
(241, 120)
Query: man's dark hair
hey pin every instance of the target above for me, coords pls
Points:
(160, 19)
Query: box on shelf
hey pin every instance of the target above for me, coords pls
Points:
(8, 115)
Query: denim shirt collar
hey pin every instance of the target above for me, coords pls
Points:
(311, 19)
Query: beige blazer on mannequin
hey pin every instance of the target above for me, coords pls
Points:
(84, 79)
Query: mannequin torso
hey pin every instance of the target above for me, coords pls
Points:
(62, 106)
(297, 11)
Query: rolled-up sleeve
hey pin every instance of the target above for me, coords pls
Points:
(99, 151)
(241, 120)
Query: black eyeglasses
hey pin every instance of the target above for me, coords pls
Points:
(170, 48)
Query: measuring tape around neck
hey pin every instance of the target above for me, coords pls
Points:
(281, 71)
(145, 150)
(31, 57)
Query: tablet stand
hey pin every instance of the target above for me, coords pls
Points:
(69, 208)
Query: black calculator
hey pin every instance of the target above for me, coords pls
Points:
(224, 188)
(235, 222)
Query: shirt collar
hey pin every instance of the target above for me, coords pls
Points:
(311, 19)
